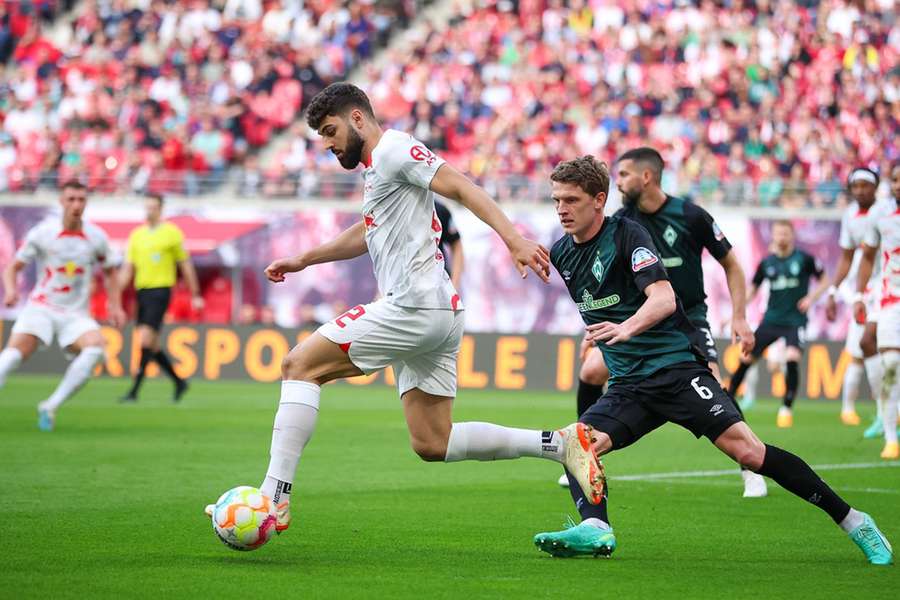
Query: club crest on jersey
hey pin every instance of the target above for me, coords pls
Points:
(717, 232)
(422, 154)
(369, 218)
(642, 258)
(795, 268)
(597, 268)
(670, 235)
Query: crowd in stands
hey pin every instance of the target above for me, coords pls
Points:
(165, 96)
(766, 101)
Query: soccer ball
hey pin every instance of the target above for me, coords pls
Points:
(244, 518)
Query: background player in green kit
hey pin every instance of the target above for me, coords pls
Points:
(788, 271)
(680, 230)
(614, 274)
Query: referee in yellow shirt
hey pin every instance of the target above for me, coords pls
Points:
(154, 249)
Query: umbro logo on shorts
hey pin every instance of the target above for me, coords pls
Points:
(716, 410)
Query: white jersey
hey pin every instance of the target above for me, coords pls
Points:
(884, 233)
(855, 224)
(65, 263)
(402, 228)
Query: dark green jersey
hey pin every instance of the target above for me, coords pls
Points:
(788, 279)
(606, 277)
(681, 230)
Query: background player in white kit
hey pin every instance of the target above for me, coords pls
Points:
(882, 242)
(855, 222)
(66, 252)
(417, 325)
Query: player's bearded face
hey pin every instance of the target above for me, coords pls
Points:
(351, 154)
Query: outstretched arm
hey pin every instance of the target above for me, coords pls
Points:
(450, 183)
(660, 303)
(740, 329)
(349, 244)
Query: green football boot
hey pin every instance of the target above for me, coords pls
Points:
(872, 542)
(577, 540)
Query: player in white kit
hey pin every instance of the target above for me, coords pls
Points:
(66, 253)
(882, 243)
(861, 346)
(417, 325)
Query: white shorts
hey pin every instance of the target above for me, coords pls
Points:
(889, 326)
(45, 323)
(421, 344)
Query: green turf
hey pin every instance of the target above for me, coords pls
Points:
(109, 505)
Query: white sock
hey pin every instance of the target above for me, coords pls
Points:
(10, 359)
(750, 381)
(852, 379)
(295, 421)
(874, 373)
(853, 520)
(595, 522)
(890, 392)
(79, 371)
(486, 441)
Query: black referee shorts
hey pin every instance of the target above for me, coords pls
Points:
(152, 306)
(686, 394)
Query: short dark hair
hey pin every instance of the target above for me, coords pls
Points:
(72, 184)
(588, 173)
(335, 100)
(158, 197)
(784, 222)
(646, 156)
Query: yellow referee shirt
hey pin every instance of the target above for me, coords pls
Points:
(154, 254)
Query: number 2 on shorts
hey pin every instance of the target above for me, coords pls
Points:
(352, 314)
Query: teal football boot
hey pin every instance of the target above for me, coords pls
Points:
(577, 540)
(872, 542)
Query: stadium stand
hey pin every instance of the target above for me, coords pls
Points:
(164, 97)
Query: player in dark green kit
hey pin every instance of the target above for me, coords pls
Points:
(613, 272)
(681, 231)
(788, 271)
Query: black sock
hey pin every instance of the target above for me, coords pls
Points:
(146, 357)
(793, 474)
(588, 393)
(166, 366)
(737, 379)
(792, 379)
(585, 508)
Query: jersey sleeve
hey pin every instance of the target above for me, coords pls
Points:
(30, 248)
(179, 252)
(760, 274)
(640, 255)
(814, 266)
(130, 251)
(103, 252)
(410, 161)
(705, 230)
(844, 240)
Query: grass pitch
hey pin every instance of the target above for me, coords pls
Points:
(110, 504)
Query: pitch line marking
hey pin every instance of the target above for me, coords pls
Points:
(722, 472)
